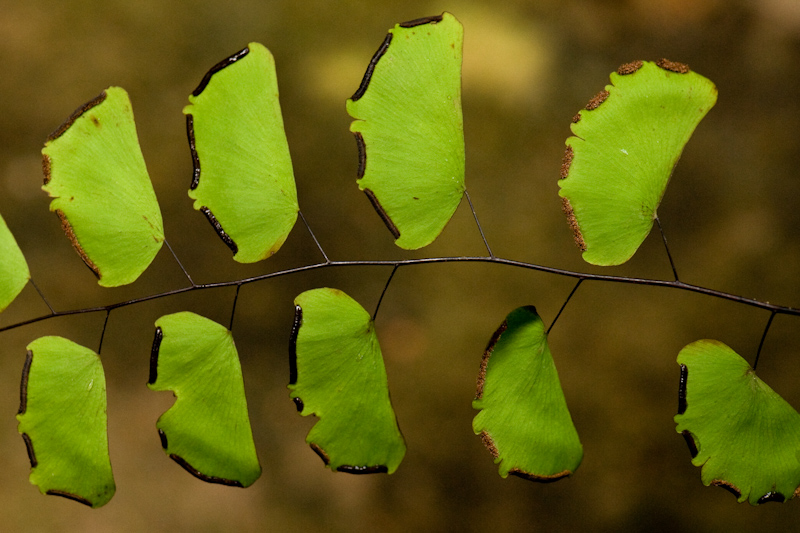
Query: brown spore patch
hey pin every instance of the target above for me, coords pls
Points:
(193, 150)
(382, 213)
(199, 475)
(772, 497)
(362, 88)
(672, 66)
(298, 321)
(227, 239)
(319, 451)
(23, 387)
(378, 469)
(566, 207)
(46, 168)
(421, 21)
(682, 390)
(485, 360)
(566, 161)
(598, 99)
(67, 227)
(538, 478)
(727, 485)
(97, 100)
(629, 68)
(690, 442)
(157, 338)
(219, 66)
(489, 443)
(362, 154)
(29, 448)
(69, 496)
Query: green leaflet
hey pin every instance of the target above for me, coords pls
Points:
(523, 418)
(14, 273)
(239, 149)
(337, 374)
(626, 143)
(409, 129)
(62, 418)
(207, 430)
(743, 434)
(96, 175)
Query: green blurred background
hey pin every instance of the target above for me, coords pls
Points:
(730, 213)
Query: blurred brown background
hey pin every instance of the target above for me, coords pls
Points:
(730, 213)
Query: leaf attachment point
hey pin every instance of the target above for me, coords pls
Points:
(62, 419)
(524, 420)
(243, 180)
(338, 375)
(95, 172)
(207, 430)
(743, 434)
(409, 129)
(627, 142)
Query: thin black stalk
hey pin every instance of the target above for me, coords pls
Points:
(763, 338)
(185, 272)
(675, 284)
(385, 287)
(233, 307)
(666, 247)
(103, 333)
(575, 288)
(319, 246)
(41, 295)
(477, 222)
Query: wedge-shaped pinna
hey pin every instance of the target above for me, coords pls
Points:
(626, 143)
(62, 419)
(410, 131)
(207, 430)
(243, 181)
(523, 420)
(337, 374)
(14, 273)
(743, 434)
(95, 172)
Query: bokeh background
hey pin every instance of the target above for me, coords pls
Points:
(730, 214)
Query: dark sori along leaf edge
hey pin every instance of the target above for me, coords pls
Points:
(415, 194)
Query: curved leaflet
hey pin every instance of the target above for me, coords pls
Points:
(409, 129)
(524, 421)
(207, 430)
(62, 419)
(743, 434)
(627, 141)
(95, 172)
(338, 375)
(243, 180)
